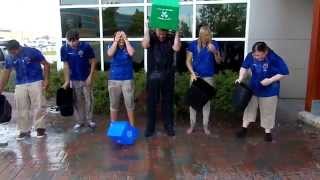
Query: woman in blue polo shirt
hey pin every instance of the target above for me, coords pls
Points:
(121, 76)
(202, 55)
(267, 70)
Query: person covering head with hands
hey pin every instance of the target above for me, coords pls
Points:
(202, 55)
(161, 48)
(79, 65)
(31, 82)
(267, 70)
(121, 76)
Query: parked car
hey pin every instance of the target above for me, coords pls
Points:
(3, 53)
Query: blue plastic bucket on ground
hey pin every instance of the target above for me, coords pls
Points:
(121, 132)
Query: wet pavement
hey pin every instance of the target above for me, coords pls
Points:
(64, 154)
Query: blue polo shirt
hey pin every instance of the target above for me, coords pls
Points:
(121, 67)
(27, 65)
(270, 66)
(203, 61)
(78, 60)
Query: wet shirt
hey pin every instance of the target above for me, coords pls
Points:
(121, 67)
(78, 60)
(269, 67)
(27, 65)
(203, 61)
(160, 54)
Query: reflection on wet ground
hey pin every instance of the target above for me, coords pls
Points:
(64, 154)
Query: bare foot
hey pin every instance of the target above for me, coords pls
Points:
(206, 131)
(190, 130)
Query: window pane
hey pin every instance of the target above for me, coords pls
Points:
(84, 19)
(72, 2)
(121, 1)
(186, 21)
(233, 55)
(180, 0)
(185, 16)
(129, 19)
(225, 20)
(96, 49)
(137, 58)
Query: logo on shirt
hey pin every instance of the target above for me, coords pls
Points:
(80, 53)
(265, 67)
(24, 60)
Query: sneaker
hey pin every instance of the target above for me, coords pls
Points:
(268, 137)
(242, 133)
(23, 135)
(41, 132)
(78, 126)
(91, 124)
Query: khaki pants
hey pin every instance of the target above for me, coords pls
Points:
(83, 101)
(29, 99)
(205, 109)
(116, 88)
(267, 106)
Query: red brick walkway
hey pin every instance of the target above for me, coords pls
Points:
(63, 154)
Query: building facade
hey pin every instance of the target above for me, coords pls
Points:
(236, 24)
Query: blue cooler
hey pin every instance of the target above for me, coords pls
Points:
(122, 132)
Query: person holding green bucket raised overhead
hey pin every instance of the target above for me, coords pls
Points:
(161, 47)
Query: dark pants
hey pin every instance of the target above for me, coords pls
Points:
(160, 90)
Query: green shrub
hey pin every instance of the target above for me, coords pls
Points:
(11, 83)
(182, 83)
(100, 93)
(139, 83)
(101, 98)
(224, 85)
(56, 80)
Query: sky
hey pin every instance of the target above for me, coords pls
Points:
(39, 16)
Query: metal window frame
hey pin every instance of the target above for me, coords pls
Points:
(145, 6)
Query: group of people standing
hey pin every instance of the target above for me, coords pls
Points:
(203, 54)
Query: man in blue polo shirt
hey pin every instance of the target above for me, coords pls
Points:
(31, 80)
(267, 70)
(79, 67)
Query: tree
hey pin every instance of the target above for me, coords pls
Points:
(185, 29)
(227, 20)
(109, 23)
(136, 27)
